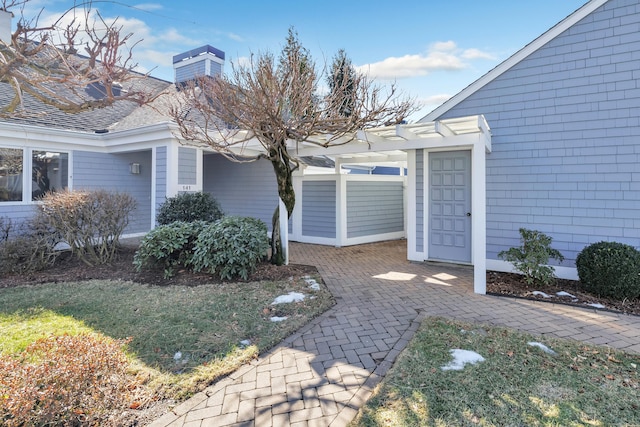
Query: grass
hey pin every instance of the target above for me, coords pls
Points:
(205, 324)
(517, 384)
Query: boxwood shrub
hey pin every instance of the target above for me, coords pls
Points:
(189, 207)
(610, 269)
(231, 247)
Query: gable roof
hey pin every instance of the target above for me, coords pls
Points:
(516, 58)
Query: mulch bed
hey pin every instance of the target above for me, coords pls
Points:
(513, 285)
(69, 269)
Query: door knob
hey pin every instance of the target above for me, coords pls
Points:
(468, 213)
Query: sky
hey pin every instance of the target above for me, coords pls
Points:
(430, 49)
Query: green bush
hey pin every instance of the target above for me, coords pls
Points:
(168, 246)
(230, 247)
(610, 269)
(532, 257)
(189, 207)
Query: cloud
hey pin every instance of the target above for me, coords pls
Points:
(441, 56)
(447, 46)
(477, 54)
(434, 99)
(149, 7)
(235, 37)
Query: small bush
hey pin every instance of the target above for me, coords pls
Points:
(610, 269)
(188, 207)
(65, 380)
(230, 247)
(168, 246)
(90, 222)
(532, 257)
(32, 247)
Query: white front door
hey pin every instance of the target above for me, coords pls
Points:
(450, 206)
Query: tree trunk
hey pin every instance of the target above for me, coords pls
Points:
(284, 176)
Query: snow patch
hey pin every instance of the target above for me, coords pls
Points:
(596, 305)
(245, 343)
(541, 347)
(462, 358)
(540, 293)
(278, 319)
(313, 285)
(291, 297)
(565, 294)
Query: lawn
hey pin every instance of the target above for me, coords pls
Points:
(517, 384)
(182, 337)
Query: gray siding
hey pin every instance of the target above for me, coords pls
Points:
(187, 166)
(374, 208)
(245, 189)
(161, 176)
(16, 214)
(319, 209)
(92, 171)
(419, 200)
(565, 126)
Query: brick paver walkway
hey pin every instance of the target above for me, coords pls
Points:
(323, 374)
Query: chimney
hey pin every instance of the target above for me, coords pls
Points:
(5, 26)
(203, 61)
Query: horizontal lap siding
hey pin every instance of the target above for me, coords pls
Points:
(15, 215)
(93, 171)
(565, 126)
(319, 209)
(187, 166)
(374, 208)
(244, 189)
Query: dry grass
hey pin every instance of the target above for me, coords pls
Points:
(516, 385)
(203, 325)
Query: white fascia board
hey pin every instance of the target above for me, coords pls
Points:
(428, 142)
(67, 140)
(513, 60)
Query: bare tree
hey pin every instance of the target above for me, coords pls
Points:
(79, 62)
(277, 105)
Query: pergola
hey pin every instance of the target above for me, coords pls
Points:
(400, 144)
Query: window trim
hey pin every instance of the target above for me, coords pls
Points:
(27, 165)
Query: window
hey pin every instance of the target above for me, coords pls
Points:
(10, 174)
(49, 172)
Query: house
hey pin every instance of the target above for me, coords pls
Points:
(135, 149)
(565, 129)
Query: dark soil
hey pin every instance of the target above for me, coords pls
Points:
(69, 269)
(509, 284)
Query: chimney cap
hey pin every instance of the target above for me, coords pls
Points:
(198, 51)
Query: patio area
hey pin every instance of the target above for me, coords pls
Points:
(322, 375)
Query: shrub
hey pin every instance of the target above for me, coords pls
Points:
(65, 380)
(610, 269)
(30, 248)
(188, 207)
(532, 257)
(230, 247)
(90, 222)
(168, 246)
